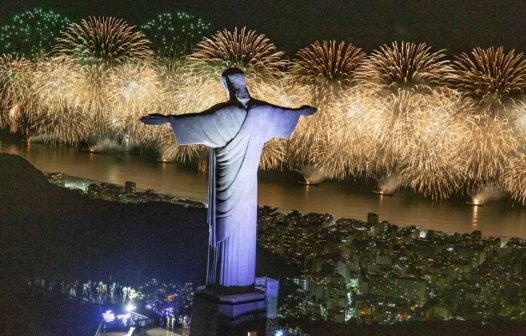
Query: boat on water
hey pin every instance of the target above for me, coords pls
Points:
(383, 193)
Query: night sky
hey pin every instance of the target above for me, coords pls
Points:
(454, 25)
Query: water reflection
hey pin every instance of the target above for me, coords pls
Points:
(381, 200)
(475, 216)
(340, 199)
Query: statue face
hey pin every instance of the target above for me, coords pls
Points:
(237, 81)
(236, 87)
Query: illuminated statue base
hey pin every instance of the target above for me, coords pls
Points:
(228, 314)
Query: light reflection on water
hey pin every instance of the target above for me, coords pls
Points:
(475, 217)
(405, 208)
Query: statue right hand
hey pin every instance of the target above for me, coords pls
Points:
(155, 119)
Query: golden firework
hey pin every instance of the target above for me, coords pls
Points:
(58, 118)
(328, 68)
(323, 72)
(352, 141)
(406, 66)
(489, 143)
(134, 90)
(104, 42)
(253, 53)
(491, 79)
(16, 95)
(514, 178)
(98, 46)
(428, 164)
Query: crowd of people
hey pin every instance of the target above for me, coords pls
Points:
(98, 292)
(169, 304)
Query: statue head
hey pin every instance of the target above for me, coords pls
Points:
(235, 85)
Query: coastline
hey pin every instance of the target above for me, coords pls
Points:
(115, 193)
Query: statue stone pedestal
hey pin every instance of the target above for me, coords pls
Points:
(228, 315)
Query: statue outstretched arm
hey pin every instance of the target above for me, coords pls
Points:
(213, 127)
(284, 120)
(304, 110)
(155, 119)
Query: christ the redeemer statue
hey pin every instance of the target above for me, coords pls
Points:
(235, 131)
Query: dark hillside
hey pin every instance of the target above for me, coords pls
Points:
(55, 232)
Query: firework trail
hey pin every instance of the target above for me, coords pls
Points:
(489, 143)
(355, 121)
(428, 164)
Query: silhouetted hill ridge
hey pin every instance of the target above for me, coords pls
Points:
(52, 230)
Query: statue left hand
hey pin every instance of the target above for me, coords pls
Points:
(307, 110)
(155, 119)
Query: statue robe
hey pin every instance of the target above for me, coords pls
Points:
(236, 136)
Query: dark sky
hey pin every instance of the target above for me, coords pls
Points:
(455, 25)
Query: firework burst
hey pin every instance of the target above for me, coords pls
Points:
(406, 66)
(405, 80)
(174, 35)
(518, 120)
(255, 54)
(328, 68)
(103, 41)
(491, 79)
(99, 46)
(32, 33)
(398, 114)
